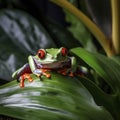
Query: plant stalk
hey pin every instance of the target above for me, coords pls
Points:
(100, 36)
(115, 4)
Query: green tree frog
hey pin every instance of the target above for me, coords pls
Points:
(44, 61)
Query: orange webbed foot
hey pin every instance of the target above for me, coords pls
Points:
(71, 74)
(44, 72)
(23, 77)
(47, 75)
(63, 71)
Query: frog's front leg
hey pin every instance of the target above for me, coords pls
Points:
(27, 76)
(77, 69)
(40, 72)
(71, 70)
(37, 69)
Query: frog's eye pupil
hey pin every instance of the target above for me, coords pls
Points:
(64, 51)
(41, 53)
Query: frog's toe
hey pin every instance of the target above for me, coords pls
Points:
(30, 79)
(22, 85)
(63, 71)
(71, 74)
(22, 79)
(46, 74)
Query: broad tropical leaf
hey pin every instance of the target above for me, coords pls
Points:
(106, 67)
(26, 32)
(61, 97)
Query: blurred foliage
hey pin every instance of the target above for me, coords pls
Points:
(26, 26)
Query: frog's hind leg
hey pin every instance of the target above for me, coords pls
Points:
(24, 73)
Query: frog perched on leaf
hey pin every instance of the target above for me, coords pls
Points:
(44, 61)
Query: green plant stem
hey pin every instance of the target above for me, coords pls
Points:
(102, 39)
(116, 25)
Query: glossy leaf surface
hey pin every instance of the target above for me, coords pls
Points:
(24, 29)
(104, 66)
(61, 97)
(20, 36)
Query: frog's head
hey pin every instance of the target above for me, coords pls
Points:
(51, 55)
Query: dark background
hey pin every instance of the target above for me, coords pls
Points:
(45, 7)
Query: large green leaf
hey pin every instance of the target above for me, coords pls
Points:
(61, 97)
(116, 59)
(11, 57)
(26, 32)
(108, 69)
(104, 66)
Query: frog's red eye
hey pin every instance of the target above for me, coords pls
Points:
(64, 51)
(41, 53)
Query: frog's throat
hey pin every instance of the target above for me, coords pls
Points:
(52, 65)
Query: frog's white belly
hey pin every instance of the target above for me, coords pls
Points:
(54, 65)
